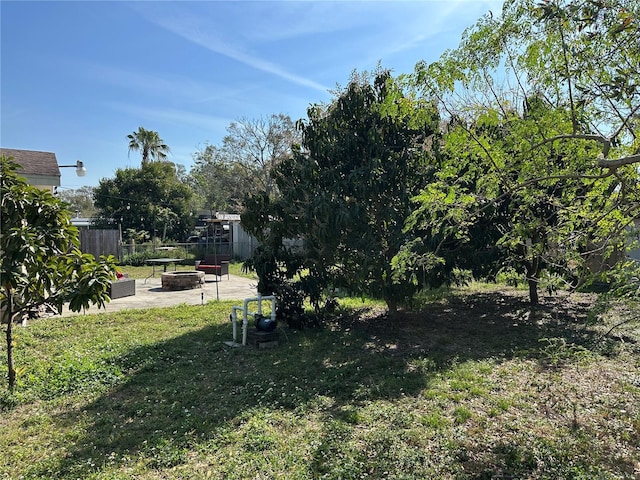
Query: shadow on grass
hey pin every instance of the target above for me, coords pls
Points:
(496, 324)
(191, 388)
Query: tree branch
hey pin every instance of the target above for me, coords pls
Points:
(619, 324)
(618, 162)
(606, 146)
(533, 181)
(563, 43)
(606, 143)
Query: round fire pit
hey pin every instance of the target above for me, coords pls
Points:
(184, 280)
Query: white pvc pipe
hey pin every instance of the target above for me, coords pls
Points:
(246, 313)
(245, 322)
(234, 320)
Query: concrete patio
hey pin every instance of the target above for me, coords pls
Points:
(150, 294)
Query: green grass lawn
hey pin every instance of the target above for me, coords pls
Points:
(474, 386)
(235, 268)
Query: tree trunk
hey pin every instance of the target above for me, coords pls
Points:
(10, 365)
(392, 307)
(533, 291)
(389, 294)
(533, 272)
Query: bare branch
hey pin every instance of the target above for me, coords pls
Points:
(619, 324)
(574, 120)
(624, 120)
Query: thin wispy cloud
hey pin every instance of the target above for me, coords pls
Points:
(182, 154)
(419, 24)
(191, 28)
(174, 116)
(296, 20)
(161, 84)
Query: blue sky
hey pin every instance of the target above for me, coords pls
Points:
(78, 77)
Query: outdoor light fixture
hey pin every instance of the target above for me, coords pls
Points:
(81, 171)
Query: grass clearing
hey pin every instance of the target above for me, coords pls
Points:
(475, 385)
(144, 271)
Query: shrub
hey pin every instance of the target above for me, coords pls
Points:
(136, 259)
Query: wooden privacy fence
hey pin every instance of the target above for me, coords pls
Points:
(101, 242)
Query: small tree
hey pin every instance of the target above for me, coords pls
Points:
(41, 263)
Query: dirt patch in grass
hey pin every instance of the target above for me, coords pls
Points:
(496, 323)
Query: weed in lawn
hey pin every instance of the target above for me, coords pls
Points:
(9, 400)
(516, 460)
(258, 433)
(468, 378)
(73, 373)
(461, 414)
(434, 420)
(557, 352)
(503, 404)
(350, 414)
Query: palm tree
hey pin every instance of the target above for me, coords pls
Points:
(150, 143)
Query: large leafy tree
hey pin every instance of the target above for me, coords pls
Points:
(150, 198)
(218, 183)
(223, 175)
(149, 143)
(41, 262)
(346, 192)
(79, 200)
(542, 104)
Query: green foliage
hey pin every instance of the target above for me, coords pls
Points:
(557, 352)
(146, 251)
(291, 305)
(137, 259)
(276, 269)
(150, 198)
(346, 192)
(41, 262)
(149, 143)
(219, 185)
(536, 100)
(138, 236)
(624, 280)
(224, 175)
